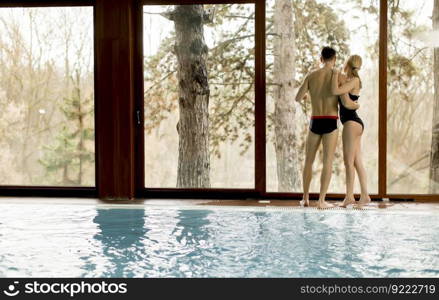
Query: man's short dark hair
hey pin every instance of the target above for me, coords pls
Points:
(328, 53)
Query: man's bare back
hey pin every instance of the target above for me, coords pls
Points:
(318, 84)
(323, 102)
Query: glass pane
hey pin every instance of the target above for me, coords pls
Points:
(47, 96)
(412, 99)
(199, 95)
(351, 27)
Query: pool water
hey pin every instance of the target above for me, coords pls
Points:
(151, 241)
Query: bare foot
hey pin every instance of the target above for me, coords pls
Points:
(304, 202)
(347, 201)
(323, 205)
(364, 201)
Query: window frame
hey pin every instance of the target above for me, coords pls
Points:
(259, 158)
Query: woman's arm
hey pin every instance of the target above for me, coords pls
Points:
(345, 87)
(302, 90)
(348, 103)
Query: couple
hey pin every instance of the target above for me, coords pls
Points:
(329, 92)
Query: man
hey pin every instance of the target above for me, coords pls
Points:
(323, 126)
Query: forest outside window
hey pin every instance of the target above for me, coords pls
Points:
(413, 97)
(199, 71)
(47, 96)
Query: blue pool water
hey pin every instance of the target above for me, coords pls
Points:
(92, 241)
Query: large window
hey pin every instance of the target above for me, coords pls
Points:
(205, 101)
(199, 75)
(295, 33)
(412, 73)
(46, 96)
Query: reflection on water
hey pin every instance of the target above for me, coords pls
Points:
(74, 241)
(121, 234)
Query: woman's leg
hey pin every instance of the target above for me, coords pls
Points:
(351, 136)
(362, 176)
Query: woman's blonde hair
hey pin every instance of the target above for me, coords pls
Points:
(355, 62)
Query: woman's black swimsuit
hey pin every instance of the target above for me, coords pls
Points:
(349, 114)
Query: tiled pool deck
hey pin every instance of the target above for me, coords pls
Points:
(375, 205)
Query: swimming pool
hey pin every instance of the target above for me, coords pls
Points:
(43, 240)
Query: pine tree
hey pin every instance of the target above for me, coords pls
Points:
(66, 158)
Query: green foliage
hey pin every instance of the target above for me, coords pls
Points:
(317, 25)
(67, 156)
(61, 153)
(409, 63)
(231, 79)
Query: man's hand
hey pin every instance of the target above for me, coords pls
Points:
(303, 90)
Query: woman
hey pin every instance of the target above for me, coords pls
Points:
(347, 87)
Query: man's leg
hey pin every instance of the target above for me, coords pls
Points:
(329, 145)
(312, 144)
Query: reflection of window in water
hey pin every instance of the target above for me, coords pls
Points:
(191, 227)
(193, 243)
(121, 234)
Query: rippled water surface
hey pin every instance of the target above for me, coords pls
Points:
(74, 241)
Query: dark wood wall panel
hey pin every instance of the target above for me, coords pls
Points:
(382, 117)
(139, 94)
(114, 100)
(260, 109)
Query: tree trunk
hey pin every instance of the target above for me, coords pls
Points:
(286, 142)
(81, 145)
(193, 97)
(434, 159)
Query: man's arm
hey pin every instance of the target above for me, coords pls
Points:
(302, 90)
(344, 88)
(345, 99)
